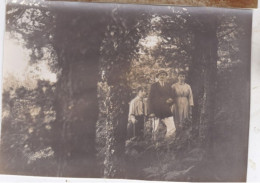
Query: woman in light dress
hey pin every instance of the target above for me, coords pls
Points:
(183, 100)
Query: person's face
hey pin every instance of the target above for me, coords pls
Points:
(181, 78)
(142, 93)
(162, 77)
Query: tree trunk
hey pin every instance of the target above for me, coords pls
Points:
(209, 60)
(116, 132)
(114, 66)
(203, 78)
(77, 104)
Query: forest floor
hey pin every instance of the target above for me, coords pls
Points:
(174, 159)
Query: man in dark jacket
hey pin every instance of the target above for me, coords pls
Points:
(160, 102)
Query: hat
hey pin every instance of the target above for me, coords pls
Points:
(160, 72)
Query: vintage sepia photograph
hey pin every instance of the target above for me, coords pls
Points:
(145, 92)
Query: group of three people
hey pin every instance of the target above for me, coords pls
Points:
(169, 104)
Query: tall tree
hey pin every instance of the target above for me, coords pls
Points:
(116, 52)
(77, 47)
(203, 72)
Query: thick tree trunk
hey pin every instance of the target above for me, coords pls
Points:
(77, 104)
(117, 105)
(203, 79)
(114, 66)
(209, 61)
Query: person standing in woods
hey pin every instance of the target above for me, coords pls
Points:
(137, 113)
(160, 102)
(184, 100)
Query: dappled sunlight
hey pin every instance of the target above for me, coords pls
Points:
(150, 41)
(19, 72)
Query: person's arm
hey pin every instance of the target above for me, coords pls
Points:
(145, 106)
(173, 92)
(131, 115)
(170, 100)
(191, 102)
(150, 101)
